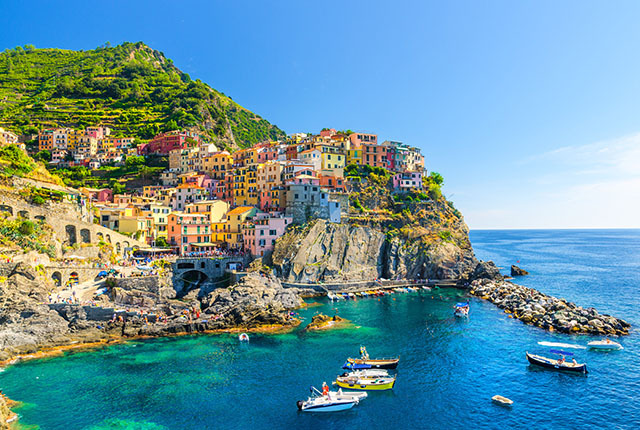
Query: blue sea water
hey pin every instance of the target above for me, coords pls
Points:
(449, 370)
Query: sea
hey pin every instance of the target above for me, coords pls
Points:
(449, 367)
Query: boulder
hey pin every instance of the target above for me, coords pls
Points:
(516, 271)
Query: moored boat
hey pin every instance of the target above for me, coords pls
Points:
(243, 337)
(367, 373)
(326, 404)
(502, 401)
(559, 364)
(364, 362)
(605, 344)
(358, 383)
(461, 310)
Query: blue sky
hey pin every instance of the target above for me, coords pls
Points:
(529, 109)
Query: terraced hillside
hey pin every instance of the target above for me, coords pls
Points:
(132, 88)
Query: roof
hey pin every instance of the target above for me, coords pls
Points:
(240, 210)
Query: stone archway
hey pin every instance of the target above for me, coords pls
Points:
(23, 214)
(85, 235)
(57, 278)
(71, 234)
(6, 208)
(189, 280)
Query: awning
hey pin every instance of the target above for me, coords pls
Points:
(203, 244)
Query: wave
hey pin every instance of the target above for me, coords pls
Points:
(562, 345)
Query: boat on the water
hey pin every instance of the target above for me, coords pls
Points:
(243, 337)
(605, 344)
(364, 362)
(358, 395)
(558, 364)
(366, 383)
(326, 404)
(368, 373)
(461, 310)
(502, 401)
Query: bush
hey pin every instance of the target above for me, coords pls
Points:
(37, 200)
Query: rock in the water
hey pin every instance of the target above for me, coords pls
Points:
(516, 271)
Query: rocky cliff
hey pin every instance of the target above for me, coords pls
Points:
(383, 234)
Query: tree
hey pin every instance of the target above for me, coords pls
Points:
(436, 178)
(44, 156)
(117, 187)
(161, 242)
(134, 160)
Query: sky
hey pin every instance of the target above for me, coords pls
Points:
(529, 109)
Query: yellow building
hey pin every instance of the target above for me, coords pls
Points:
(216, 209)
(354, 156)
(217, 165)
(140, 227)
(160, 214)
(269, 175)
(333, 160)
(235, 218)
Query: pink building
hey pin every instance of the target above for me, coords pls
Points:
(358, 139)
(189, 232)
(328, 132)
(408, 180)
(164, 143)
(261, 233)
(274, 200)
(105, 195)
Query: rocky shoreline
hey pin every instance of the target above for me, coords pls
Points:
(30, 328)
(533, 307)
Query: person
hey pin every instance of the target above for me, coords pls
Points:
(325, 389)
(574, 361)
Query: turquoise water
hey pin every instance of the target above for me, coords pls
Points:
(449, 369)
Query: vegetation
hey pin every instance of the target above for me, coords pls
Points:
(131, 88)
(15, 162)
(26, 235)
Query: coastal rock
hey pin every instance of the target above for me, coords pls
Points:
(329, 252)
(533, 307)
(516, 271)
(325, 322)
(486, 270)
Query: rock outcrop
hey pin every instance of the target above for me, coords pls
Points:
(516, 271)
(327, 252)
(533, 307)
(143, 307)
(325, 322)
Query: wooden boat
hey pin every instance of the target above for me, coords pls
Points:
(364, 362)
(367, 373)
(365, 383)
(461, 310)
(556, 364)
(604, 345)
(501, 400)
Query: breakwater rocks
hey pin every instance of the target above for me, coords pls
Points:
(533, 307)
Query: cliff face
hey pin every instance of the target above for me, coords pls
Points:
(346, 252)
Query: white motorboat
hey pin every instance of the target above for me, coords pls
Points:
(320, 403)
(367, 373)
(358, 395)
(243, 337)
(604, 345)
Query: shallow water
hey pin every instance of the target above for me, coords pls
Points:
(448, 372)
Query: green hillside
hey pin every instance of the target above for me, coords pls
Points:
(132, 88)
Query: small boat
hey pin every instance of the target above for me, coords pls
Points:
(364, 362)
(243, 337)
(559, 364)
(340, 395)
(502, 401)
(326, 404)
(360, 383)
(604, 345)
(368, 373)
(461, 310)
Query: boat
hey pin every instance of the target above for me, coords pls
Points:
(559, 364)
(368, 373)
(366, 383)
(364, 362)
(340, 395)
(243, 337)
(319, 403)
(605, 344)
(461, 310)
(502, 401)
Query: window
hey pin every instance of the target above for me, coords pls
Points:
(272, 232)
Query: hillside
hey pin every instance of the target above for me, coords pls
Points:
(131, 88)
